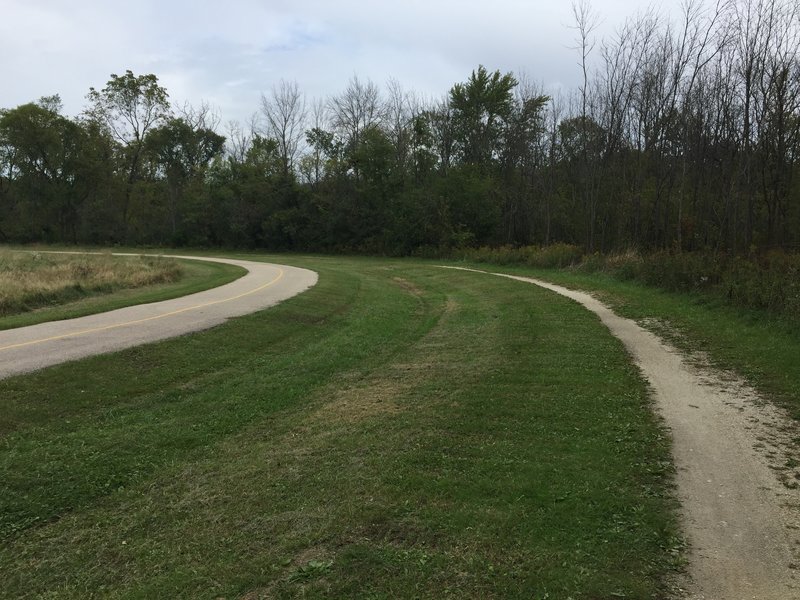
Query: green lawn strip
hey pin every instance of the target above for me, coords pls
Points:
(197, 277)
(762, 348)
(397, 431)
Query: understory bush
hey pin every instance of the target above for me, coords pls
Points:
(556, 256)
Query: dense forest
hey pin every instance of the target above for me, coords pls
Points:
(683, 135)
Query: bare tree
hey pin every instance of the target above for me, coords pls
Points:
(399, 112)
(618, 87)
(442, 126)
(284, 113)
(753, 21)
(552, 145)
(312, 164)
(238, 142)
(777, 102)
(202, 116)
(354, 111)
(585, 23)
(703, 38)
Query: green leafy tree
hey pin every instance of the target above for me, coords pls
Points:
(129, 107)
(43, 149)
(481, 108)
(182, 153)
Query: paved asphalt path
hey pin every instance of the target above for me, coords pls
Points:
(30, 348)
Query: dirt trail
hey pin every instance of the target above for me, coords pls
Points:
(732, 454)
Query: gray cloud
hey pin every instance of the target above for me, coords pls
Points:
(228, 53)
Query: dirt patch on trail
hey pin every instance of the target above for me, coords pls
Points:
(737, 476)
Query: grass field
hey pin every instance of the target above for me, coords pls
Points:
(397, 431)
(37, 286)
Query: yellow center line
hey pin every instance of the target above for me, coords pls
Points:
(137, 321)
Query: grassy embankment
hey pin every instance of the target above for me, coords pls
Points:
(38, 286)
(397, 431)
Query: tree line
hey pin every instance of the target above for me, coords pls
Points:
(683, 135)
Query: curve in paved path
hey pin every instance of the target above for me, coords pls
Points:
(30, 348)
(740, 520)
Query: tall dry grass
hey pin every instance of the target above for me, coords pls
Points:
(30, 280)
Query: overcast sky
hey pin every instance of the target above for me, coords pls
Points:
(227, 53)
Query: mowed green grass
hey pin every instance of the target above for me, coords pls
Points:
(397, 431)
(65, 296)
